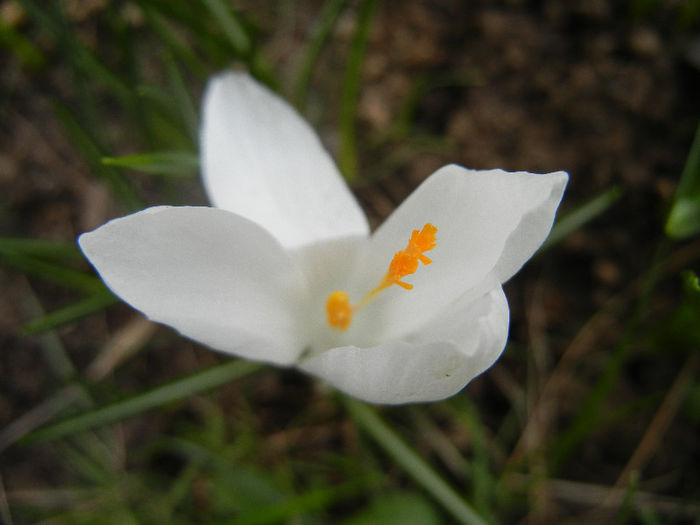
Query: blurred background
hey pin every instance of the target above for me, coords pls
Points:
(593, 412)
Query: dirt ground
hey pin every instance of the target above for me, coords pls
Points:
(583, 86)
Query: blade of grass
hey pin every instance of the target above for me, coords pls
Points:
(585, 213)
(51, 271)
(83, 61)
(422, 84)
(177, 390)
(647, 516)
(52, 250)
(347, 154)
(404, 507)
(312, 500)
(589, 414)
(322, 29)
(5, 515)
(93, 152)
(183, 100)
(254, 487)
(26, 52)
(485, 484)
(180, 489)
(234, 31)
(404, 119)
(59, 362)
(70, 313)
(367, 419)
(177, 163)
(96, 70)
(174, 41)
(190, 17)
(88, 466)
(53, 351)
(131, 68)
(684, 218)
(60, 402)
(165, 119)
(48, 18)
(654, 434)
(85, 125)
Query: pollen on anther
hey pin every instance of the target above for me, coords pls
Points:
(339, 310)
(405, 262)
(422, 241)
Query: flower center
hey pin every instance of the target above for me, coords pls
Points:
(404, 262)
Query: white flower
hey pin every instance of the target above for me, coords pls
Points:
(256, 276)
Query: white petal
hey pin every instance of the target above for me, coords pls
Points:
(214, 276)
(261, 160)
(479, 328)
(535, 223)
(326, 267)
(432, 364)
(489, 223)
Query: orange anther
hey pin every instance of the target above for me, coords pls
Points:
(401, 265)
(422, 241)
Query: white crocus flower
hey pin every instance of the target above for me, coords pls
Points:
(283, 268)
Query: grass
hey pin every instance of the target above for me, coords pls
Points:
(237, 443)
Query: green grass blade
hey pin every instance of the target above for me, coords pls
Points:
(177, 163)
(52, 250)
(199, 23)
(50, 271)
(165, 119)
(347, 154)
(312, 500)
(406, 508)
(95, 70)
(424, 83)
(53, 350)
(326, 22)
(49, 17)
(174, 41)
(70, 313)
(234, 31)
(484, 483)
(589, 416)
(684, 218)
(585, 213)
(93, 152)
(183, 100)
(419, 470)
(177, 390)
(21, 47)
(87, 68)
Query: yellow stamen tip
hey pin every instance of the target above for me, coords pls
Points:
(339, 310)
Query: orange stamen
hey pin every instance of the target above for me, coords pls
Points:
(405, 262)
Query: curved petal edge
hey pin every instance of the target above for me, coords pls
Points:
(430, 365)
(262, 160)
(214, 276)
